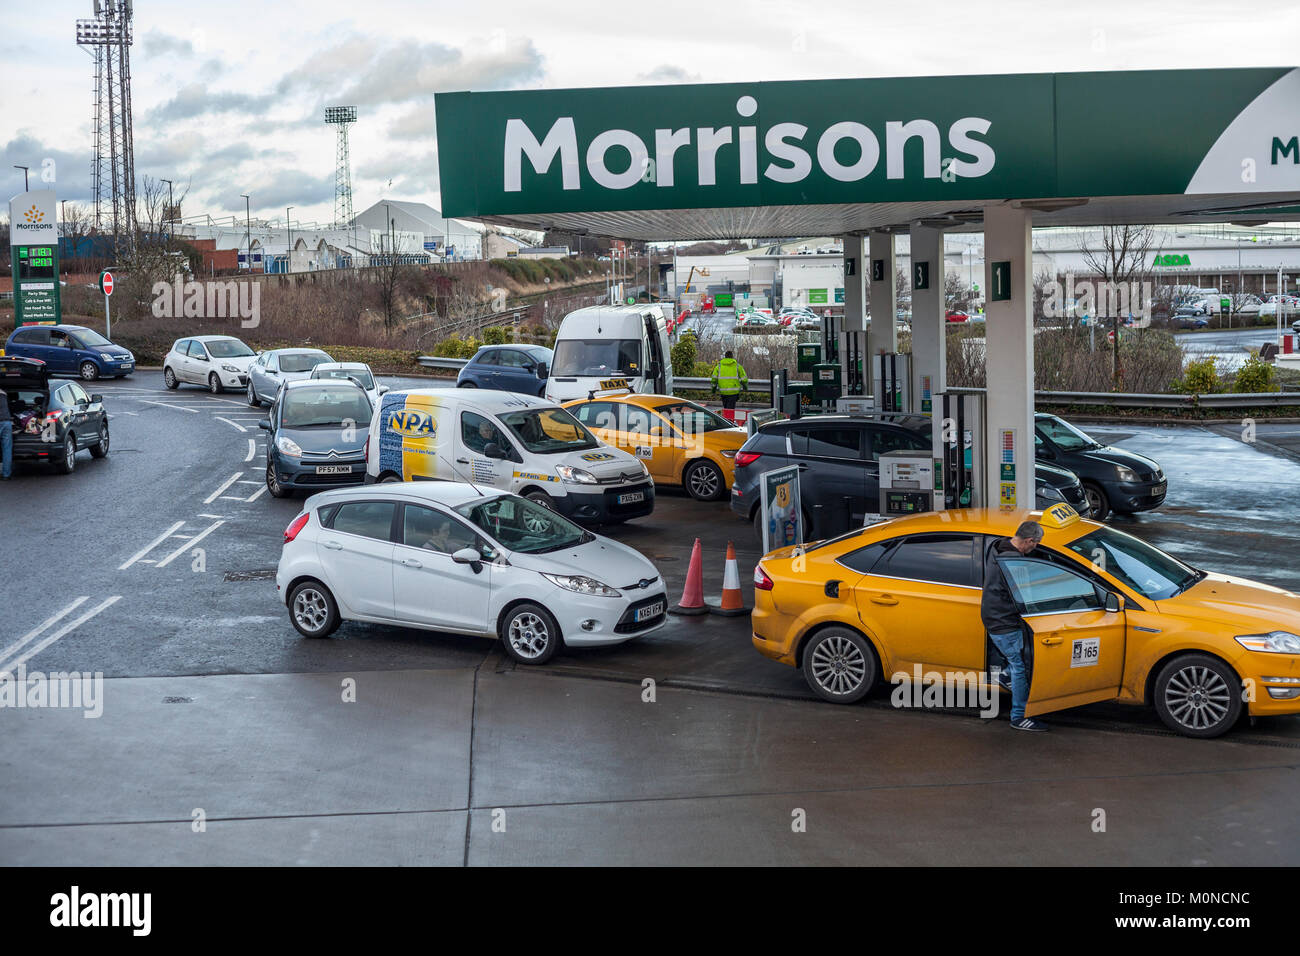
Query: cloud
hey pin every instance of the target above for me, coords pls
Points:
(158, 43)
(283, 187)
(667, 73)
(71, 169)
(196, 99)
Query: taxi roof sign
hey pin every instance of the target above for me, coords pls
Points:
(1059, 516)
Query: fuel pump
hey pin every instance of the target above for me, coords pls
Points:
(892, 380)
(958, 435)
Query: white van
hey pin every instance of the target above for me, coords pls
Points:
(510, 442)
(604, 347)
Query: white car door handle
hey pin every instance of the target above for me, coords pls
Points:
(333, 545)
(411, 563)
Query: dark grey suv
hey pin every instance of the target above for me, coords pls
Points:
(839, 457)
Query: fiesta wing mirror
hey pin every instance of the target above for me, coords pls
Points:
(469, 556)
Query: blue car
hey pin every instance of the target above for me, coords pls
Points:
(509, 368)
(71, 350)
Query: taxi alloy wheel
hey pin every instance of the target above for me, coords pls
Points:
(169, 379)
(530, 634)
(312, 610)
(704, 481)
(839, 665)
(1198, 696)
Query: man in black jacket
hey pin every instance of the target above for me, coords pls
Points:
(6, 438)
(1002, 618)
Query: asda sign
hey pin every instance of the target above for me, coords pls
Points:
(1172, 260)
(968, 139)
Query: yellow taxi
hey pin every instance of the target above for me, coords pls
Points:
(679, 442)
(1107, 617)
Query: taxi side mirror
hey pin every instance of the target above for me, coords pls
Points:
(1114, 603)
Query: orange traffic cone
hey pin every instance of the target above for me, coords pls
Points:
(692, 601)
(733, 602)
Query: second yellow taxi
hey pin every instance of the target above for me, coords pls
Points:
(680, 442)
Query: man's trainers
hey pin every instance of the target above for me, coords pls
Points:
(1024, 723)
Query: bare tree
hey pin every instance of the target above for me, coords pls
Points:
(1123, 258)
(957, 295)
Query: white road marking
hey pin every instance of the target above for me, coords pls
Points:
(11, 664)
(30, 635)
(151, 545)
(252, 449)
(222, 490)
(181, 408)
(229, 422)
(214, 517)
(190, 543)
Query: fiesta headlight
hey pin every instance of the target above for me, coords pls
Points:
(288, 447)
(577, 476)
(1274, 642)
(581, 584)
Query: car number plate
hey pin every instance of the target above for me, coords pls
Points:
(631, 497)
(333, 469)
(645, 613)
(1159, 489)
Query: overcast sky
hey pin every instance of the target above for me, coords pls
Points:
(228, 97)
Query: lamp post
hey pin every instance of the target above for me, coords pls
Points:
(248, 232)
(288, 224)
(170, 205)
(24, 169)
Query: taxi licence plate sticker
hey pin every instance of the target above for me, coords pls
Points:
(333, 469)
(645, 613)
(1085, 652)
(631, 498)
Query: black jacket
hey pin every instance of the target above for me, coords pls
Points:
(997, 607)
(4, 406)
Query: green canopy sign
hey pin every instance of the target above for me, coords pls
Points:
(967, 138)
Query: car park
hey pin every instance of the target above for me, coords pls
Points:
(358, 372)
(1113, 479)
(1286, 304)
(509, 442)
(52, 420)
(508, 368)
(680, 442)
(838, 457)
(316, 436)
(269, 370)
(69, 350)
(454, 557)
(218, 362)
(1107, 617)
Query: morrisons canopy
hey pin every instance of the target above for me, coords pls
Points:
(835, 157)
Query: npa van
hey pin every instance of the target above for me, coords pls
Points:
(510, 442)
(605, 347)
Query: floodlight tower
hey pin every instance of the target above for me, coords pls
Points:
(107, 38)
(342, 117)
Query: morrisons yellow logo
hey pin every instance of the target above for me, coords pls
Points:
(33, 214)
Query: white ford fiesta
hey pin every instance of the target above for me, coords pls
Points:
(447, 556)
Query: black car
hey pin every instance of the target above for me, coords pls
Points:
(839, 457)
(1113, 479)
(1053, 485)
(318, 430)
(51, 421)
